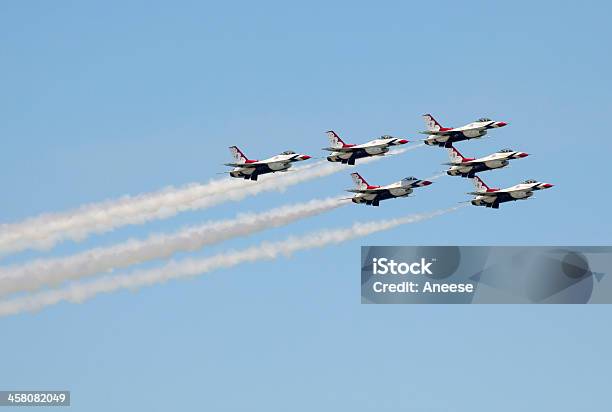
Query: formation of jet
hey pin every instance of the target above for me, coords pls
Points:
(251, 169)
(446, 136)
(348, 153)
(468, 167)
(439, 136)
(372, 195)
(485, 196)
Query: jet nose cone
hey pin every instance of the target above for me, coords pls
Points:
(523, 154)
(501, 124)
(547, 185)
(403, 141)
(304, 157)
(426, 182)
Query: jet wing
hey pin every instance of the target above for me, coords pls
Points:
(500, 193)
(368, 191)
(468, 163)
(439, 132)
(255, 165)
(244, 165)
(369, 146)
(491, 194)
(355, 148)
(342, 149)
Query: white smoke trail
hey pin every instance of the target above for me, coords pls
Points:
(436, 176)
(80, 292)
(45, 231)
(51, 272)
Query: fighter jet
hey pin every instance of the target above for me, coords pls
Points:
(468, 167)
(348, 153)
(485, 196)
(251, 169)
(446, 136)
(372, 195)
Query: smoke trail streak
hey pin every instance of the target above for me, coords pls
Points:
(436, 176)
(51, 272)
(80, 292)
(44, 231)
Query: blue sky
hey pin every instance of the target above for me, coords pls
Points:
(102, 100)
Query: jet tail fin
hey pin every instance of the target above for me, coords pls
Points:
(359, 181)
(237, 154)
(454, 155)
(334, 139)
(479, 185)
(431, 123)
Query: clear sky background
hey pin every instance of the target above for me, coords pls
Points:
(101, 99)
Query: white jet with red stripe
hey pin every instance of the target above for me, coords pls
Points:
(446, 136)
(372, 195)
(348, 153)
(250, 169)
(492, 197)
(468, 167)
